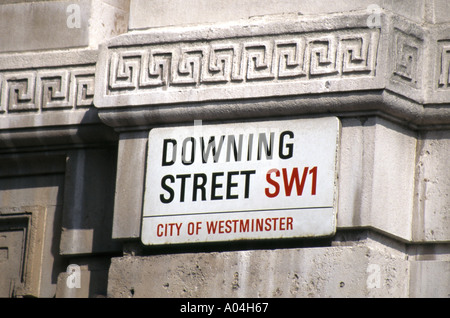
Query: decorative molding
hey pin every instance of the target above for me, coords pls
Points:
(46, 89)
(46, 99)
(444, 74)
(237, 62)
(408, 58)
(152, 72)
(30, 223)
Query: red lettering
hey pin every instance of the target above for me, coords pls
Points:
(294, 177)
(290, 180)
(168, 229)
(289, 224)
(259, 225)
(243, 225)
(272, 182)
(274, 223)
(313, 171)
(267, 227)
(158, 233)
(228, 226)
(282, 224)
(178, 228)
(211, 227)
(234, 225)
(197, 227)
(190, 228)
(221, 227)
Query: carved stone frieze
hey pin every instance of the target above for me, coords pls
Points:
(47, 98)
(272, 59)
(239, 67)
(309, 64)
(46, 89)
(408, 57)
(291, 59)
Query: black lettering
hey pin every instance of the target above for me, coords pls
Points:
(167, 188)
(183, 151)
(231, 184)
(199, 186)
(215, 185)
(211, 146)
(183, 178)
(290, 147)
(232, 144)
(247, 174)
(268, 149)
(250, 147)
(174, 150)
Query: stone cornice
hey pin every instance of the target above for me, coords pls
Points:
(269, 66)
(45, 97)
(309, 64)
(45, 83)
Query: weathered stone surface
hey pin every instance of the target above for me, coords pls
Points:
(90, 281)
(269, 57)
(73, 96)
(47, 98)
(432, 212)
(47, 25)
(157, 13)
(32, 205)
(34, 83)
(130, 185)
(11, 242)
(89, 198)
(430, 279)
(399, 69)
(364, 268)
(54, 21)
(376, 179)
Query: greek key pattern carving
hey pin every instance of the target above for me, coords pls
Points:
(408, 54)
(444, 77)
(42, 90)
(299, 57)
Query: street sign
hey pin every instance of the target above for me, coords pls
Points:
(249, 180)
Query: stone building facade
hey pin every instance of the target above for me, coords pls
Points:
(82, 83)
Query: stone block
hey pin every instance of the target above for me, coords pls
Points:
(47, 99)
(376, 178)
(392, 189)
(83, 278)
(108, 19)
(160, 13)
(432, 211)
(33, 205)
(88, 202)
(130, 184)
(12, 241)
(355, 174)
(46, 25)
(354, 269)
(430, 279)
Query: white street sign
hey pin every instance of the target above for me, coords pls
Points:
(250, 180)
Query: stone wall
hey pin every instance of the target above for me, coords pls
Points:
(83, 82)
